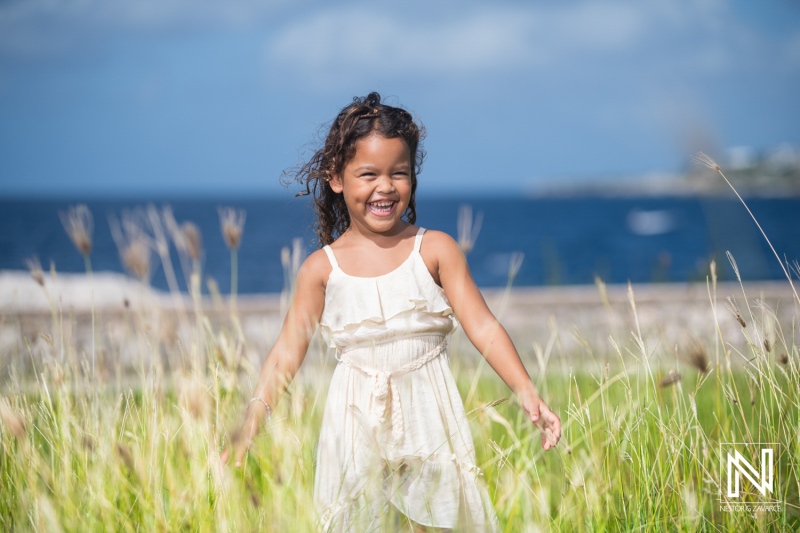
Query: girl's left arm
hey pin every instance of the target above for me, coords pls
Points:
(487, 334)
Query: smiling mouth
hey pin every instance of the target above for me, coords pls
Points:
(381, 208)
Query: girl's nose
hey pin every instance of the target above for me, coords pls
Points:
(386, 184)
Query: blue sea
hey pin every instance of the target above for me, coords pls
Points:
(564, 240)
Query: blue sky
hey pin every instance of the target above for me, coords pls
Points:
(179, 97)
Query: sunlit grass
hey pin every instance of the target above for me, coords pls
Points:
(639, 452)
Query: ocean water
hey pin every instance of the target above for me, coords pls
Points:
(564, 240)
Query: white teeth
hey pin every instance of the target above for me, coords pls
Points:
(381, 206)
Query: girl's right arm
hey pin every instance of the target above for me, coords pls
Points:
(288, 352)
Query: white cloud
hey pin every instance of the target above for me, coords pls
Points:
(322, 42)
(687, 37)
(480, 40)
(357, 39)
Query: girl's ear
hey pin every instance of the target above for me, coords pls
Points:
(336, 183)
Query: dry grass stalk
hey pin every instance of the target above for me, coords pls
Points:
(493, 403)
(134, 245)
(468, 229)
(707, 161)
(213, 287)
(192, 239)
(159, 228)
(173, 227)
(232, 222)
(514, 264)
(79, 224)
(670, 379)
(291, 259)
(35, 268)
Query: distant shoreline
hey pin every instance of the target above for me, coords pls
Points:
(612, 189)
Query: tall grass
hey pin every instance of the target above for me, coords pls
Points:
(641, 446)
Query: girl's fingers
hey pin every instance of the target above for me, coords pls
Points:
(534, 413)
(239, 457)
(241, 449)
(551, 428)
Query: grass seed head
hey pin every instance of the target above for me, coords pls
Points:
(35, 268)
(134, 243)
(735, 310)
(703, 159)
(767, 345)
(125, 454)
(232, 222)
(783, 359)
(697, 357)
(79, 224)
(670, 379)
(136, 257)
(192, 239)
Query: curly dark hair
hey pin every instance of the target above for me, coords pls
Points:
(363, 117)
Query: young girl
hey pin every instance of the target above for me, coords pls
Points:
(385, 294)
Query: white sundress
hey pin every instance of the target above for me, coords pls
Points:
(394, 428)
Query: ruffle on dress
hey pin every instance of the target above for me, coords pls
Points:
(352, 301)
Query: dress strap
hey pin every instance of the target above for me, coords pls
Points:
(418, 239)
(331, 257)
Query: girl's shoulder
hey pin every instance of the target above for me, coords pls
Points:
(440, 252)
(438, 238)
(316, 268)
(439, 245)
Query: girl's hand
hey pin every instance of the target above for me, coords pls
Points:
(241, 439)
(541, 415)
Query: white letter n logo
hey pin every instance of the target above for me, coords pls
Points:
(736, 461)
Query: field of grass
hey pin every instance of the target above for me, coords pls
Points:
(640, 449)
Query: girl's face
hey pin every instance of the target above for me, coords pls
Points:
(376, 184)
